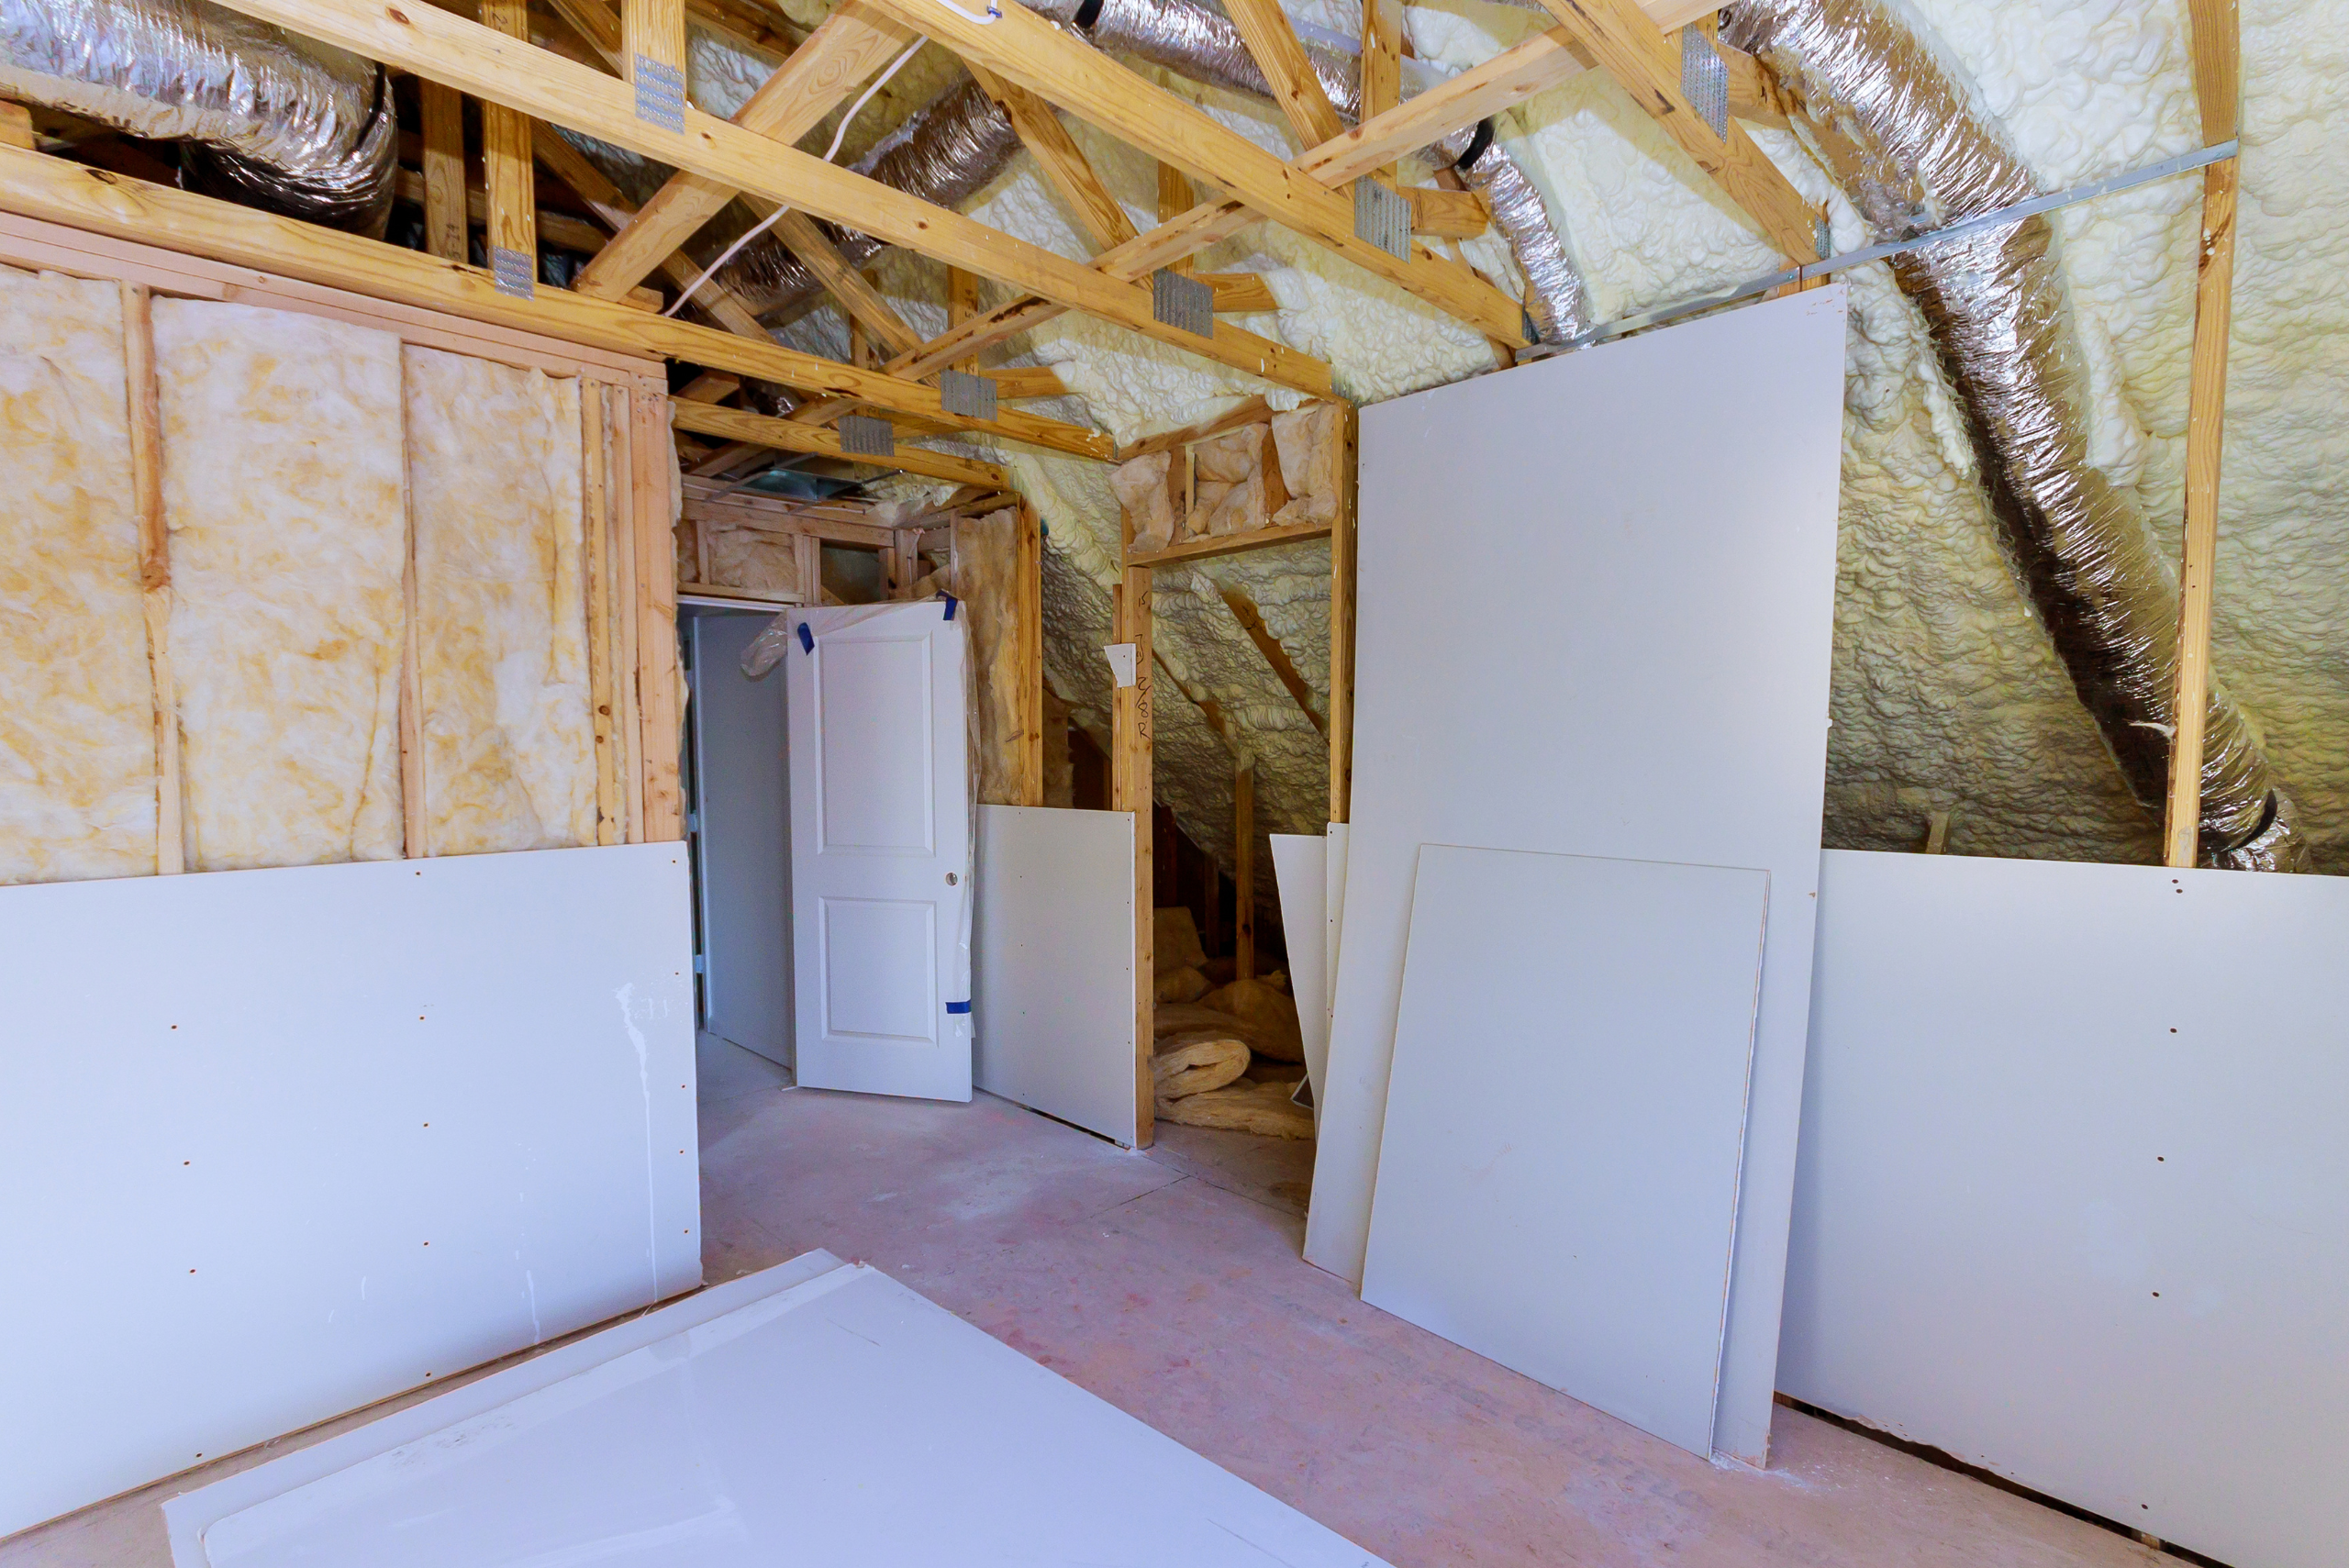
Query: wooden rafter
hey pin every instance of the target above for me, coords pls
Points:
(2218, 86)
(1645, 63)
(1023, 48)
(1382, 64)
(1252, 621)
(858, 299)
(98, 202)
(1272, 43)
(760, 429)
(1063, 163)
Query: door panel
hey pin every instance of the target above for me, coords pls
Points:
(880, 849)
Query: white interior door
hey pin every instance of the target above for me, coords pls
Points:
(880, 851)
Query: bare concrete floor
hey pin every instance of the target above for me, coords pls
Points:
(1170, 1284)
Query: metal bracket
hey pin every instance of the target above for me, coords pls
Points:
(517, 272)
(1184, 303)
(863, 436)
(1382, 218)
(1703, 79)
(971, 396)
(659, 93)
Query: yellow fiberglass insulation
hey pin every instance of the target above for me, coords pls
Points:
(77, 735)
(986, 578)
(282, 485)
(501, 620)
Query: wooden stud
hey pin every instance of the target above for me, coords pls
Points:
(1030, 629)
(1272, 42)
(1342, 631)
(807, 555)
(1252, 621)
(146, 425)
(1175, 198)
(595, 526)
(1243, 850)
(2216, 83)
(1448, 215)
(1130, 790)
(860, 351)
(656, 618)
(785, 435)
(652, 33)
(444, 172)
(961, 304)
(507, 170)
(416, 821)
(903, 563)
(1211, 545)
(619, 420)
(1382, 66)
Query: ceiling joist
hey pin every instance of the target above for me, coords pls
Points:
(762, 430)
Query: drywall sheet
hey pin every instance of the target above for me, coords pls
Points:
(283, 488)
(1557, 1179)
(1301, 869)
(501, 605)
(817, 1412)
(1594, 598)
(2074, 1201)
(77, 729)
(279, 1143)
(1054, 959)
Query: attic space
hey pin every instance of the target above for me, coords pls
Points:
(1171, 782)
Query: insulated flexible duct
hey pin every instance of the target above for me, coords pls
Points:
(1902, 132)
(267, 119)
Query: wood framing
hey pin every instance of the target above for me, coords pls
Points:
(1229, 544)
(99, 202)
(1130, 790)
(1029, 619)
(761, 429)
(1382, 65)
(1243, 877)
(1252, 621)
(656, 618)
(1272, 43)
(1641, 57)
(146, 422)
(1023, 48)
(595, 526)
(1063, 163)
(507, 171)
(1341, 630)
(652, 42)
(444, 172)
(2217, 83)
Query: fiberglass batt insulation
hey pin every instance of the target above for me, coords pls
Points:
(282, 487)
(77, 736)
(501, 619)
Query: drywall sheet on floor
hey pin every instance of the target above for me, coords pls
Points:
(1054, 959)
(1594, 602)
(1301, 867)
(817, 1412)
(501, 605)
(2074, 1201)
(283, 488)
(275, 1144)
(77, 729)
(1557, 1181)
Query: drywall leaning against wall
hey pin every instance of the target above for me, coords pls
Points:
(2074, 1198)
(350, 1129)
(349, 526)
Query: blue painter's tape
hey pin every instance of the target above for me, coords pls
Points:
(949, 604)
(957, 1007)
(806, 637)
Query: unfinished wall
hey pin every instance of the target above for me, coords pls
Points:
(77, 747)
(986, 579)
(501, 616)
(283, 488)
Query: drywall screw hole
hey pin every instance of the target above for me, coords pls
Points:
(2172, 1029)
(2157, 1296)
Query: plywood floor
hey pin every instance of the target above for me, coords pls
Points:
(1170, 1284)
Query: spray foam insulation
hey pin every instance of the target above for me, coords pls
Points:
(77, 737)
(283, 490)
(501, 622)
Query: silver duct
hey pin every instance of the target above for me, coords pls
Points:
(267, 119)
(1902, 132)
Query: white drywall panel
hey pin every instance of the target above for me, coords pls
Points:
(1557, 1181)
(1301, 870)
(2074, 1201)
(1594, 598)
(1054, 959)
(815, 1413)
(288, 1141)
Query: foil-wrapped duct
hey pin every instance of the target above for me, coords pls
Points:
(1901, 130)
(266, 119)
(1555, 296)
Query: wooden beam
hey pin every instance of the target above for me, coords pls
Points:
(444, 172)
(555, 227)
(1646, 64)
(760, 429)
(98, 202)
(710, 386)
(1272, 43)
(1754, 94)
(961, 304)
(1244, 880)
(1229, 544)
(600, 26)
(17, 126)
(1028, 627)
(1239, 293)
(1248, 411)
(1129, 790)
(596, 518)
(1448, 215)
(858, 299)
(1252, 621)
(1501, 83)
(1382, 67)
(507, 167)
(1341, 629)
(154, 566)
(653, 45)
(656, 618)
(431, 42)
(2217, 83)
(1027, 381)
(1022, 46)
(1063, 163)
(850, 45)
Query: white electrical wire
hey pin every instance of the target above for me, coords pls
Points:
(767, 222)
